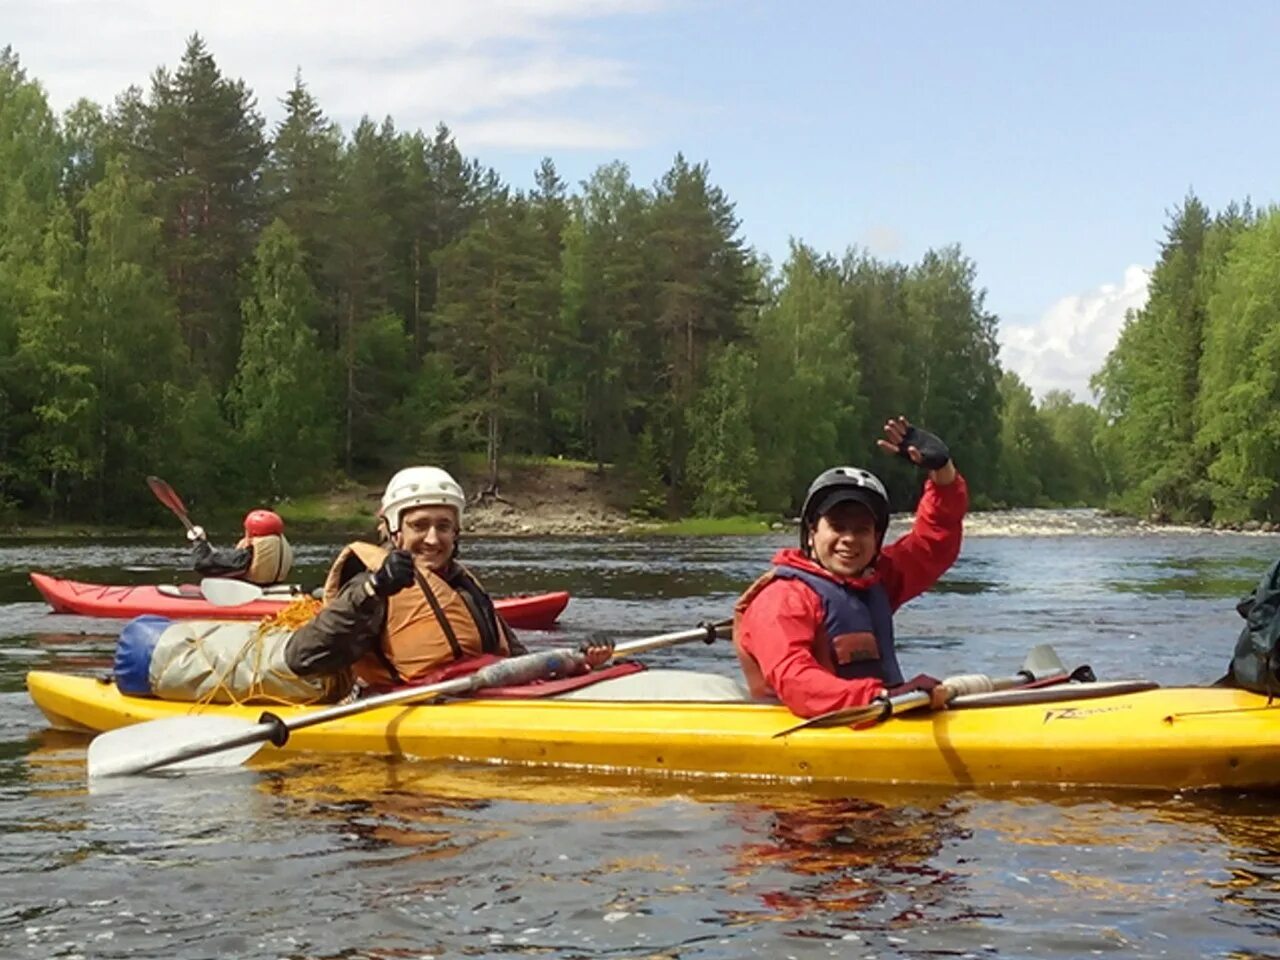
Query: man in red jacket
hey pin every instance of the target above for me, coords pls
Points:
(817, 630)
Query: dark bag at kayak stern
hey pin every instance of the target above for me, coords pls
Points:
(1256, 663)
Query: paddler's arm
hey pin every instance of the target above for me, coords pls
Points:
(913, 563)
(228, 562)
(342, 632)
(777, 630)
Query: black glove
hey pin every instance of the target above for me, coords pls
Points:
(921, 681)
(933, 452)
(394, 575)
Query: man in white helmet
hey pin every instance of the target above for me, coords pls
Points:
(816, 631)
(401, 611)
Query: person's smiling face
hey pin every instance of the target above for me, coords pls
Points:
(429, 533)
(844, 539)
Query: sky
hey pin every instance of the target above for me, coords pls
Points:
(1050, 141)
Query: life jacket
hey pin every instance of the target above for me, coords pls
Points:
(854, 640)
(272, 560)
(429, 624)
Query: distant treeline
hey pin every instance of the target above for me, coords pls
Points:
(254, 316)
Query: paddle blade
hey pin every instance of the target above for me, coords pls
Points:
(229, 593)
(167, 495)
(844, 717)
(1042, 661)
(136, 748)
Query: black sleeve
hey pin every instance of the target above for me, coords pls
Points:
(342, 632)
(232, 562)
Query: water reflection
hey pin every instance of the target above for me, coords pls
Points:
(366, 857)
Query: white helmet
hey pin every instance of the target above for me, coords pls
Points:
(420, 487)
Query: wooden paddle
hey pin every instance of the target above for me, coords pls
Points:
(1042, 664)
(194, 741)
(169, 497)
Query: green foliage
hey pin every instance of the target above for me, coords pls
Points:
(703, 281)
(1240, 409)
(723, 458)
(1024, 443)
(806, 404)
(643, 475)
(954, 362)
(1149, 380)
(277, 399)
(200, 143)
(180, 295)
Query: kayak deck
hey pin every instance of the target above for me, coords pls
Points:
(1165, 739)
(525, 612)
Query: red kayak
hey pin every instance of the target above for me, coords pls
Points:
(185, 601)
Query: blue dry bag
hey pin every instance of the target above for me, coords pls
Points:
(134, 647)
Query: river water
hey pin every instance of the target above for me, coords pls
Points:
(369, 858)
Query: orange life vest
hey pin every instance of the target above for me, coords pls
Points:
(272, 559)
(427, 625)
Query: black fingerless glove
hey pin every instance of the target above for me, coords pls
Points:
(933, 452)
(394, 575)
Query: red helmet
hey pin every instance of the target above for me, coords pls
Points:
(262, 523)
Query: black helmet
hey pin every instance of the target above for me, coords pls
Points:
(840, 484)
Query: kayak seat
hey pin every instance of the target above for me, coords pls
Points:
(187, 591)
(685, 686)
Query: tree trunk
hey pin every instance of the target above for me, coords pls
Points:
(351, 384)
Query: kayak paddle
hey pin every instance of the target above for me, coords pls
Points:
(212, 741)
(169, 497)
(1042, 664)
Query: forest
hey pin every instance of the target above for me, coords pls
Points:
(257, 314)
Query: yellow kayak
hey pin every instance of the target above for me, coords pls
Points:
(1164, 738)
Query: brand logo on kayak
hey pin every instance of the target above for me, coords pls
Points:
(1079, 713)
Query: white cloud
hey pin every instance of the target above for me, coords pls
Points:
(495, 64)
(1070, 341)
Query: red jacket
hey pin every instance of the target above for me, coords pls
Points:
(781, 623)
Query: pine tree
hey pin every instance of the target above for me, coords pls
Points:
(202, 145)
(1149, 383)
(704, 282)
(363, 256)
(608, 376)
(490, 296)
(301, 182)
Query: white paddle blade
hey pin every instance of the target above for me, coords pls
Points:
(1042, 661)
(229, 593)
(135, 748)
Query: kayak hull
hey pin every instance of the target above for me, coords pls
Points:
(1164, 739)
(532, 612)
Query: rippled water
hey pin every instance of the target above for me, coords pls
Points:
(367, 857)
